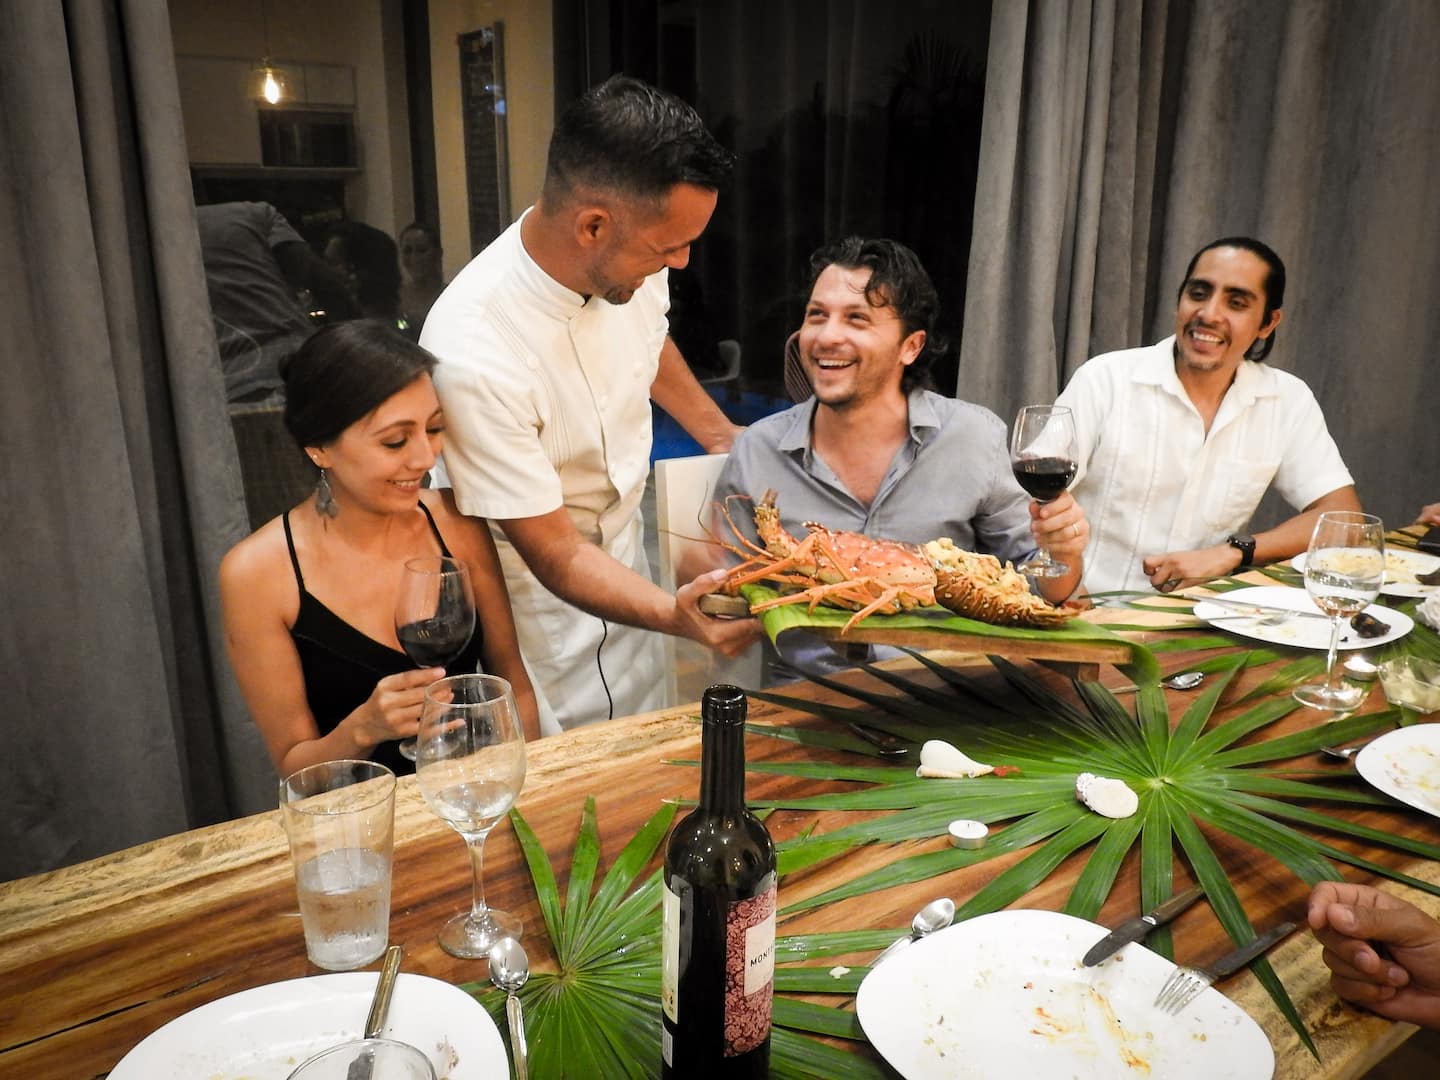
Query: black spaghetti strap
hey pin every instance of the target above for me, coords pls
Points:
(433, 528)
(290, 543)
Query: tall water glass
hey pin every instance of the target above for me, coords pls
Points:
(1344, 568)
(470, 765)
(340, 820)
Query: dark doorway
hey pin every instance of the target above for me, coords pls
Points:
(845, 118)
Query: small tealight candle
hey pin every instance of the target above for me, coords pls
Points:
(1359, 669)
(965, 833)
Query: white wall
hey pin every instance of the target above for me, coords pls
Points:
(367, 35)
(530, 106)
(362, 34)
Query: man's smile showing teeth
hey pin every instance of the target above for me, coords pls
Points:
(1206, 337)
(831, 364)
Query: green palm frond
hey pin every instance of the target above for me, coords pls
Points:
(779, 619)
(598, 1014)
(1223, 776)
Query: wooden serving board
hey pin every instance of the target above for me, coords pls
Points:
(1082, 659)
(1077, 648)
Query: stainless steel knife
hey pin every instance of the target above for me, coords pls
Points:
(1136, 928)
(1232, 962)
(1253, 609)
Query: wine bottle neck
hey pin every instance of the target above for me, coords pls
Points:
(722, 753)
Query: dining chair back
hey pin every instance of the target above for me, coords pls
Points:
(684, 488)
(276, 473)
(797, 383)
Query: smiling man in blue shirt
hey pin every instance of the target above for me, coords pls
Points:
(874, 450)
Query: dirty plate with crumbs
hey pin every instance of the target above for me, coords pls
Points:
(1405, 764)
(263, 1033)
(1296, 633)
(1005, 994)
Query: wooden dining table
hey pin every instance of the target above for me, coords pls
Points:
(96, 956)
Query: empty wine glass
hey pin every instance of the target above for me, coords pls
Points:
(1344, 569)
(470, 765)
(434, 615)
(1043, 456)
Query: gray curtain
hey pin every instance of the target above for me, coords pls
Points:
(120, 483)
(1122, 135)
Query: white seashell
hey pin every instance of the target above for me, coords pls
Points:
(1428, 612)
(1107, 797)
(939, 758)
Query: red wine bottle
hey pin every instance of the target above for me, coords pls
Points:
(718, 956)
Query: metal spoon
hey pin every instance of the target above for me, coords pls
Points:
(363, 1067)
(1344, 753)
(509, 970)
(935, 915)
(1181, 680)
(888, 745)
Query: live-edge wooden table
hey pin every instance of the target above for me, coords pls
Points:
(96, 956)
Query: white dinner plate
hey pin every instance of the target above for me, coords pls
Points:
(1405, 764)
(263, 1033)
(1005, 994)
(1401, 566)
(1297, 633)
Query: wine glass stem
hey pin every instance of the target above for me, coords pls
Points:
(1331, 675)
(476, 845)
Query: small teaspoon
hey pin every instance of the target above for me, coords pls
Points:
(510, 970)
(363, 1067)
(935, 915)
(1343, 753)
(1181, 680)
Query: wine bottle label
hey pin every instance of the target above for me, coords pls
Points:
(749, 970)
(670, 957)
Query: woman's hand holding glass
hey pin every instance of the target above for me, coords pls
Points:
(393, 708)
(470, 765)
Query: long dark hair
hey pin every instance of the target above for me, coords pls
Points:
(344, 372)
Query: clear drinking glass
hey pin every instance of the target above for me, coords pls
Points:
(434, 615)
(1044, 456)
(470, 765)
(1344, 569)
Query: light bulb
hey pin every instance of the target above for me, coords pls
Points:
(272, 88)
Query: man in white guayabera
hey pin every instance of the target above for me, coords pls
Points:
(1180, 440)
(552, 342)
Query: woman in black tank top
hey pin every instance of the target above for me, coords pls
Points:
(309, 598)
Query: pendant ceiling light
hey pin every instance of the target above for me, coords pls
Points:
(267, 82)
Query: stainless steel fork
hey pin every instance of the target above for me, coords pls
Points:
(1187, 982)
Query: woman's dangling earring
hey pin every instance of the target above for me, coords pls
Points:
(324, 498)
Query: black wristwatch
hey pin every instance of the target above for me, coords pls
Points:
(1244, 544)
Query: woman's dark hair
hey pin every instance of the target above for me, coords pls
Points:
(1274, 284)
(898, 280)
(629, 139)
(344, 372)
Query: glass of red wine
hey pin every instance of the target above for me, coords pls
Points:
(1043, 456)
(434, 615)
